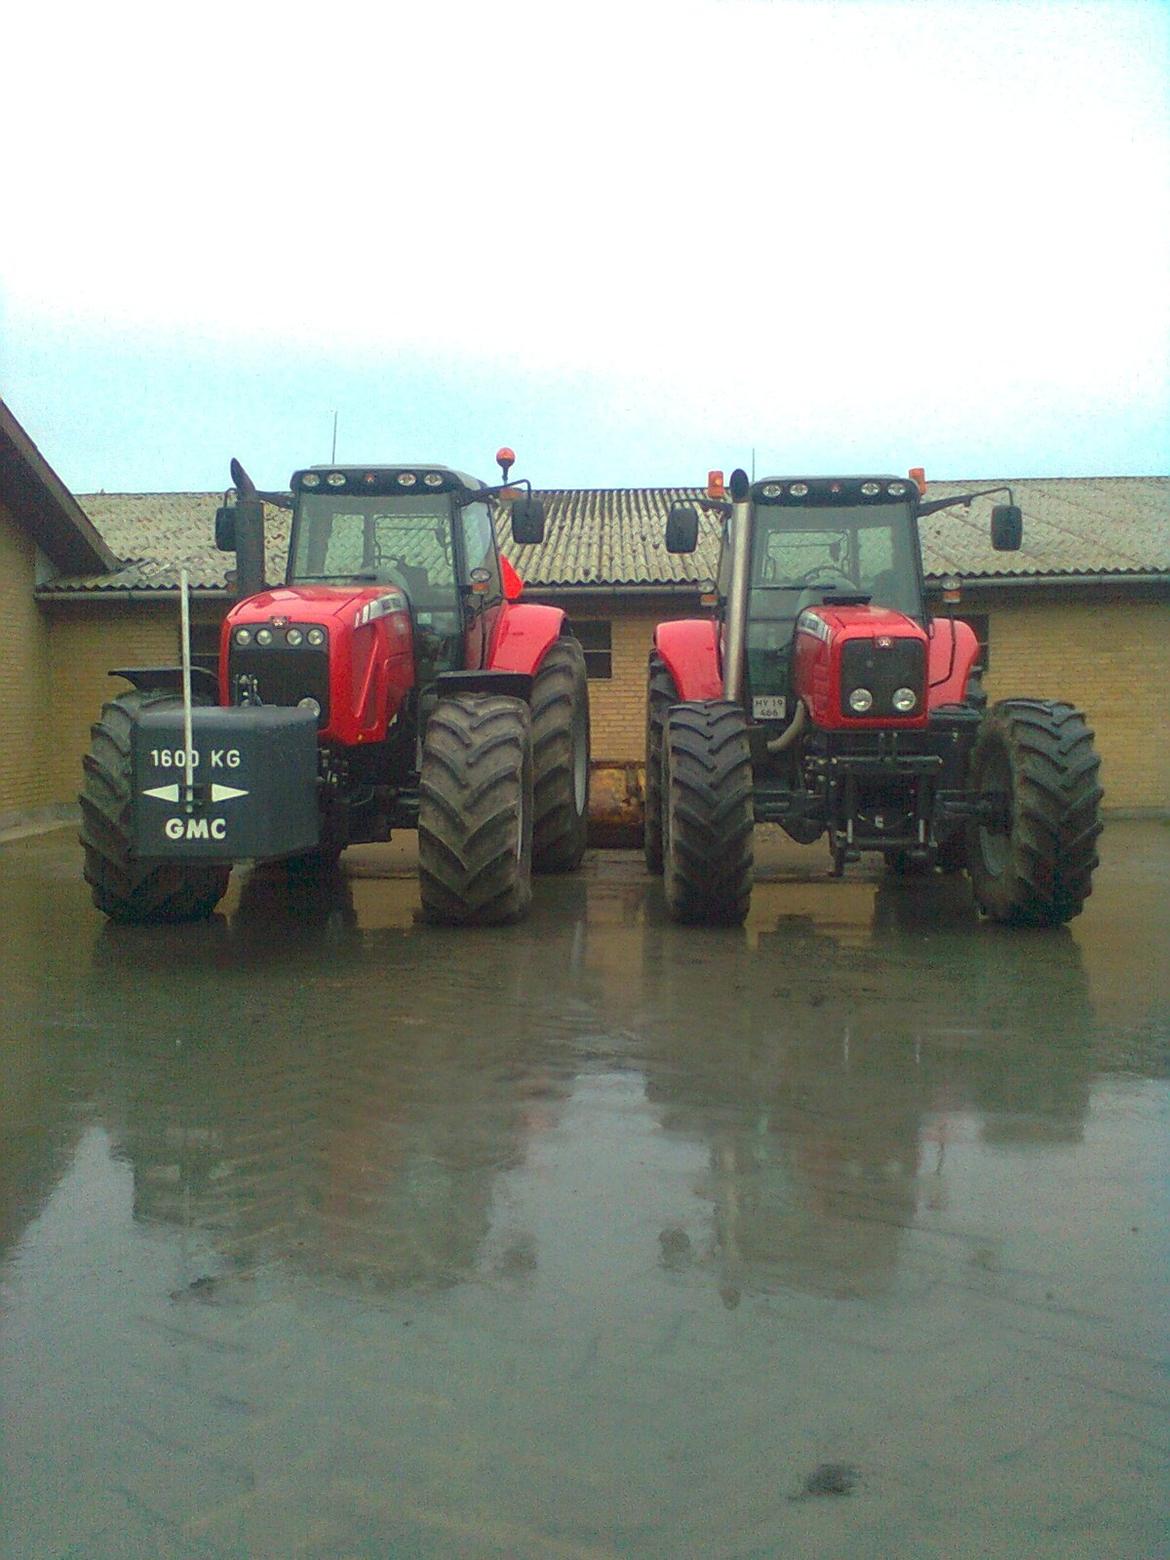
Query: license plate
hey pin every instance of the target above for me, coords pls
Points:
(769, 706)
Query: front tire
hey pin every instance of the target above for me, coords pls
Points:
(708, 813)
(1034, 866)
(560, 758)
(124, 888)
(475, 812)
(661, 693)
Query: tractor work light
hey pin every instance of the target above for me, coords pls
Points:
(309, 704)
(293, 637)
(772, 489)
(798, 489)
(860, 700)
(904, 700)
(895, 489)
(336, 479)
(243, 636)
(406, 479)
(310, 480)
(432, 480)
(263, 636)
(871, 489)
(316, 637)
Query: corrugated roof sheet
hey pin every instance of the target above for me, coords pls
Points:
(608, 538)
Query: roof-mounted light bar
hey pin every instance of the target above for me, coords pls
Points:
(831, 490)
(377, 480)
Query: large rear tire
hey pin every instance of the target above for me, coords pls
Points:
(661, 693)
(560, 759)
(708, 813)
(123, 888)
(1034, 867)
(475, 812)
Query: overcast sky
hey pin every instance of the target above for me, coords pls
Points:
(632, 240)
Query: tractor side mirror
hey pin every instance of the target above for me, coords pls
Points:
(527, 520)
(1007, 527)
(225, 528)
(682, 529)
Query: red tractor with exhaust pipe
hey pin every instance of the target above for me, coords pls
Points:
(824, 697)
(394, 681)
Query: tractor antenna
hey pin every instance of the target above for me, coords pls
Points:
(333, 451)
(753, 463)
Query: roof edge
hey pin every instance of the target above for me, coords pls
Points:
(59, 525)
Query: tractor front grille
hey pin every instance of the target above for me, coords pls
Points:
(901, 665)
(281, 675)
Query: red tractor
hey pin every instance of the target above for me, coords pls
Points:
(394, 681)
(822, 696)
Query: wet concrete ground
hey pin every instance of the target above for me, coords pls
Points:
(323, 1233)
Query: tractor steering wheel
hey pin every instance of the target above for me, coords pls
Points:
(834, 575)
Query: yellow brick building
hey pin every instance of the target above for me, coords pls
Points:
(1079, 613)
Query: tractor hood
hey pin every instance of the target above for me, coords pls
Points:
(859, 667)
(827, 621)
(317, 603)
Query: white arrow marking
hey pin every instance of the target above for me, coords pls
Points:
(165, 793)
(224, 793)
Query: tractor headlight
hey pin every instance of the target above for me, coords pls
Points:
(310, 480)
(871, 489)
(433, 479)
(263, 636)
(896, 489)
(772, 489)
(336, 479)
(904, 700)
(316, 637)
(293, 637)
(798, 489)
(406, 479)
(243, 636)
(860, 700)
(309, 704)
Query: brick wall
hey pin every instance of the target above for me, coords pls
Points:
(24, 678)
(87, 640)
(617, 708)
(1107, 652)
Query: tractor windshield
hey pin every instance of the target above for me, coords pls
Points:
(802, 555)
(341, 539)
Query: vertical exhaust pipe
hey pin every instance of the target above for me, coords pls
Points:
(251, 569)
(735, 643)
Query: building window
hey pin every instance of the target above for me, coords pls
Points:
(980, 622)
(596, 640)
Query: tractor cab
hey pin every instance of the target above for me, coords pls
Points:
(427, 531)
(847, 542)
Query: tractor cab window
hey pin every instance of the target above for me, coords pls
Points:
(803, 555)
(394, 540)
(479, 545)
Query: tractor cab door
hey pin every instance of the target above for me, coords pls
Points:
(484, 599)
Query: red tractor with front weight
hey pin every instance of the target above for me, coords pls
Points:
(823, 696)
(395, 680)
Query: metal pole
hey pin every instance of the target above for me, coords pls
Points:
(185, 647)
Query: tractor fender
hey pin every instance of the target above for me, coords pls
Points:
(169, 679)
(954, 649)
(690, 649)
(523, 636)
